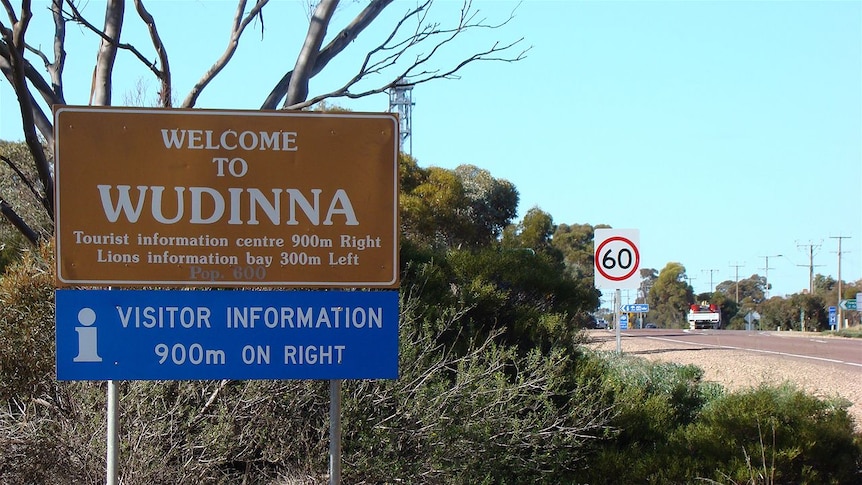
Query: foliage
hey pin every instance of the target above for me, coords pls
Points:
(465, 207)
(575, 241)
(491, 203)
(669, 427)
(17, 196)
(489, 413)
(670, 297)
(467, 408)
(27, 328)
(648, 279)
(751, 288)
(777, 433)
(652, 401)
(852, 332)
(794, 312)
(487, 416)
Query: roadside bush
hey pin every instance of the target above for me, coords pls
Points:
(27, 328)
(489, 416)
(669, 427)
(652, 401)
(775, 435)
(21, 201)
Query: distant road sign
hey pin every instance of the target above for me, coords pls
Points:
(833, 317)
(635, 308)
(624, 322)
(848, 304)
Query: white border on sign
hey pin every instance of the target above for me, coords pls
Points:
(630, 237)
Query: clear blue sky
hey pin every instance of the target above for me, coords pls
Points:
(724, 131)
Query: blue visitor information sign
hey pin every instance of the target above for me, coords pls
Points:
(226, 334)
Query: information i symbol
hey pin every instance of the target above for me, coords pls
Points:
(87, 351)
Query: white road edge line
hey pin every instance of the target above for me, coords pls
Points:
(833, 361)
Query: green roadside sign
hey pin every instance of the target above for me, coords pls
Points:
(848, 304)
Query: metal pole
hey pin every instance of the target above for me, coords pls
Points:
(113, 435)
(840, 290)
(617, 319)
(113, 453)
(334, 432)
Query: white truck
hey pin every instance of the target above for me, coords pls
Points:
(704, 315)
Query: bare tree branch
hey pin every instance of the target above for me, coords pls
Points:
(14, 39)
(23, 178)
(239, 25)
(338, 44)
(55, 69)
(74, 15)
(395, 50)
(394, 60)
(297, 90)
(42, 122)
(164, 74)
(13, 217)
(100, 93)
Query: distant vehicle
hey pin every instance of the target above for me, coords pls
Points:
(705, 315)
(602, 324)
(650, 325)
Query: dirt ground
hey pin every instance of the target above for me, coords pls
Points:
(739, 370)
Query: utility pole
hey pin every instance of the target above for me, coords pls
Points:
(737, 266)
(711, 271)
(811, 247)
(766, 276)
(840, 310)
(690, 282)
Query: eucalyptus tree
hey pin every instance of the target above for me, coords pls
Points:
(408, 49)
(576, 243)
(670, 296)
(648, 278)
(751, 288)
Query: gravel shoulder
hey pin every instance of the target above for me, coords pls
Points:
(737, 370)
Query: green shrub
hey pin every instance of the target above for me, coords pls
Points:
(27, 328)
(669, 427)
(490, 415)
(652, 401)
(780, 433)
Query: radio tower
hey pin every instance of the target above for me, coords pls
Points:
(401, 102)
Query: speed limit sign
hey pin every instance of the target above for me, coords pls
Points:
(617, 258)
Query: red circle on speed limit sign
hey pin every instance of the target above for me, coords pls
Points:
(617, 258)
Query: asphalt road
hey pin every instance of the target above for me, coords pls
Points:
(806, 346)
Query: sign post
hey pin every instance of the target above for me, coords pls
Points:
(617, 261)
